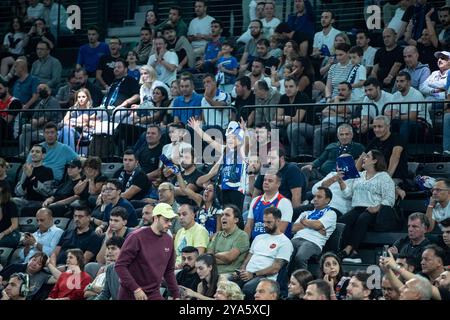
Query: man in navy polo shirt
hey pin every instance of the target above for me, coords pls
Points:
(189, 98)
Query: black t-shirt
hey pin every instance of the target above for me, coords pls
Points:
(426, 56)
(9, 211)
(181, 53)
(386, 148)
(188, 179)
(406, 248)
(40, 174)
(291, 178)
(128, 87)
(66, 190)
(385, 60)
(300, 37)
(95, 92)
(300, 98)
(138, 179)
(417, 14)
(70, 239)
(445, 294)
(106, 64)
(149, 158)
(269, 63)
(188, 280)
(241, 102)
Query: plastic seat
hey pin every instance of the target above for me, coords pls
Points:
(61, 223)
(28, 224)
(5, 253)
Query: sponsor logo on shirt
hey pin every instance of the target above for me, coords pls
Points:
(273, 246)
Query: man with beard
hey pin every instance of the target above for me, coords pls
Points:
(181, 46)
(324, 40)
(190, 174)
(444, 35)
(303, 18)
(187, 276)
(176, 21)
(438, 209)
(82, 237)
(106, 65)
(411, 118)
(81, 76)
(199, 30)
(433, 88)
(148, 156)
(191, 234)
(357, 288)
(124, 90)
(230, 245)
(144, 47)
(269, 253)
(250, 52)
(147, 256)
(135, 183)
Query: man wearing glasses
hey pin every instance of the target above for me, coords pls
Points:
(439, 209)
(113, 198)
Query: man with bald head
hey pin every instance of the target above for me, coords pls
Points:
(418, 71)
(45, 239)
(388, 60)
(25, 88)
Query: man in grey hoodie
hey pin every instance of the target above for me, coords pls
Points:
(419, 72)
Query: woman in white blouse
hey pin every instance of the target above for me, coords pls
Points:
(372, 202)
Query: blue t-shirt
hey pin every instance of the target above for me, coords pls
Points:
(229, 63)
(184, 115)
(56, 158)
(89, 57)
(23, 90)
(134, 74)
(213, 48)
(124, 203)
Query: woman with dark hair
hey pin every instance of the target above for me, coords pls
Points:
(304, 72)
(3, 175)
(372, 201)
(151, 20)
(9, 219)
(331, 271)
(209, 275)
(14, 45)
(290, 52)
(65, 288)
(298, 283)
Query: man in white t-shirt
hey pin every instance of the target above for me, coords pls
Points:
(164, 62)
(313, 229)
(214, 97)
(362, 40)
(271, 197)
(374, 94)
(325, 38)
(407, 114)
(396, 21)
(199, 31)
(269, 253)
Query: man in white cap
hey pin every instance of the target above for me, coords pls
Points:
(148, 256)
(434, 87)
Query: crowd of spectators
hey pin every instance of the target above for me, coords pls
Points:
(207, 198)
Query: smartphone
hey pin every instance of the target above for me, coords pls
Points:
(385, 251)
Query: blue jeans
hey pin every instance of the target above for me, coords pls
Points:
(446, 133)
(68, 135)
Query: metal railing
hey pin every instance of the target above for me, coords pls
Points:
(106, 133)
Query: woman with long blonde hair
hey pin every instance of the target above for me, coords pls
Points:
(76, 122)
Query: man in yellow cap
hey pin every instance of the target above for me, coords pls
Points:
(148, 256)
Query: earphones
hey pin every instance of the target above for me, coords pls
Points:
(25, 286)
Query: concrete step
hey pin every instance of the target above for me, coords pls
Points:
(130, 31)
(129, 23)
(139, 17)
(145, 8)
